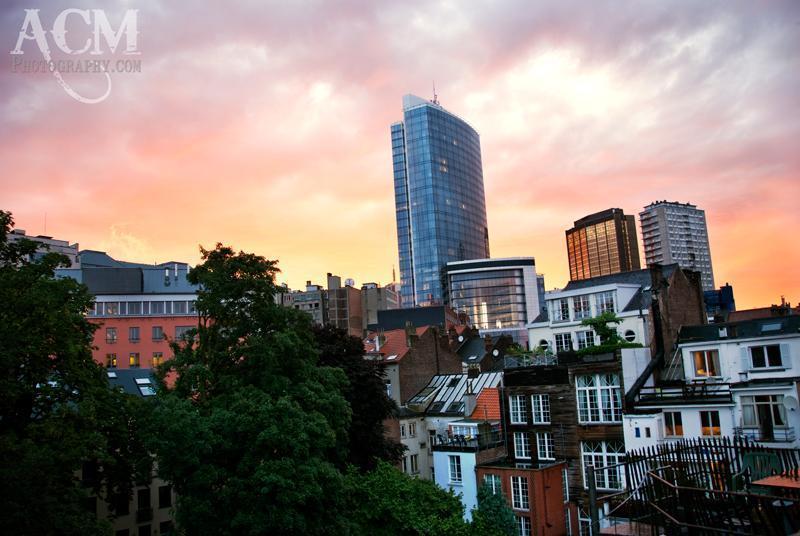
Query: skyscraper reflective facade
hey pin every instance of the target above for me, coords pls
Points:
(601, 244)
(439, 197)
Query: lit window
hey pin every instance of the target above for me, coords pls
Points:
(544, 445)
(599, 398)
(706, 363)
(709, 422)
(522, 446)
(158, 358)
(673, 424)
(518, 409)
(519, 493)
(111, 360)
(133, 360)
(540, 408)
(455, 469)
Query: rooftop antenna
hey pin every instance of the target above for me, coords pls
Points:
(394, 277)
(435, 96)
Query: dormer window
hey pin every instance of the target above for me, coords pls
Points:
(706, 363)
(581, 305)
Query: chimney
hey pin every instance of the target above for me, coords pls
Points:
(411, 333)
(380, 340)
(470, 400)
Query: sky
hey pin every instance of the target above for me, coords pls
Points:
(265, 126)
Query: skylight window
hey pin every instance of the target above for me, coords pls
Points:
(112, 374)
(765, 328)
(147, 390)
(142, 381)
(453, 382)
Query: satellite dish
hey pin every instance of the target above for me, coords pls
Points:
(790, 402)
(460, 338)
(495, 352)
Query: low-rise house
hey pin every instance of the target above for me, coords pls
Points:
(729, 379)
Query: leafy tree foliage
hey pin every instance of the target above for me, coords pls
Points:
(611, 340)
(493, 516)
(386, 501)
(253, 429)
(366, 394)
(56, 409)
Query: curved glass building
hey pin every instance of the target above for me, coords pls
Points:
(439, 198)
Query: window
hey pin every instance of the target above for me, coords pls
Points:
(603, 454)
(133, 360)
(111, 335)
(166, 528)
(158, 333)
(562, 310)
(544, 345)
(157, 308)
(403, 430)
(581, 305)
(388, 389)
(179, 308)
(766, 356)
(164, 496)
(144, 530)
(455, 469)
(111, 360)
(599, 398)
(493, 481)
(518, 409)
(180, 331)
(706, 363)
(565, 486)
(765, 412)
(519, 493)
(522, 445)
(563, 342)
(585, 339)
(709, 423)
(605, 302)
(523, 526)
(630, 335)
(143, 499)
(405, 464)
(134, 308)
(158, 358)
(112, 308)
(673, 424)
(544, 446)
(412, 429)
(414, 464)
(133, 334)
(540, 408)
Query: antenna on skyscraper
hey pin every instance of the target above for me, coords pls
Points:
(435, 96)
(394, 278)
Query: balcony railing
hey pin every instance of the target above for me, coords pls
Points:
(686, 393)
(460, 443)
(776, 435)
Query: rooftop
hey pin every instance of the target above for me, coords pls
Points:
(444, 394)
(748, 329)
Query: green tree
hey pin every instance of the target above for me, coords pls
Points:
(387, 502)
(493, 516)
(252, 429)
(366, 394)
(610, 339)
(56, 409)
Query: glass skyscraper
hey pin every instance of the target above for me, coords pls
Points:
(439, 198)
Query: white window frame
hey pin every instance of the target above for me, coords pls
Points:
(558, 313)
(522, 446)
(600, 400)
(602, 302)
(414, 459)
(669, 422)
(540, 408)
(585, 339)
(565, 342)
(412, 429)
(545, 446)
(582, 307)
(767, 365)
(710, 356)
(750, 414)
(711, 423)
(603, 454)
(494, 482)
(523, 525)
(454, 466)
(519, 493)
(517, 409)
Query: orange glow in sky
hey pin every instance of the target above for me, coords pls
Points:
(268, 129)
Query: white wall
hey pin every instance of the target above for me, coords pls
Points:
(468, 488)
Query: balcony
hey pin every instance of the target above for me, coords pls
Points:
(688, 393)
(774, 435)
(460, 443)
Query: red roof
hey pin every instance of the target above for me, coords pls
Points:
(487, 405)
(395, 343)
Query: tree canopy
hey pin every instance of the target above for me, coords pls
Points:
(56, 409)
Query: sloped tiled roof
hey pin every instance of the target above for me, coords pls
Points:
(394, 347)
(487, 406)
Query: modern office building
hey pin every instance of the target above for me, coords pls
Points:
(499, 296)
(439, 197)
(677, 233)
(601, 244)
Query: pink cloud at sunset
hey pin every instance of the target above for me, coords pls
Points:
(266, 126)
